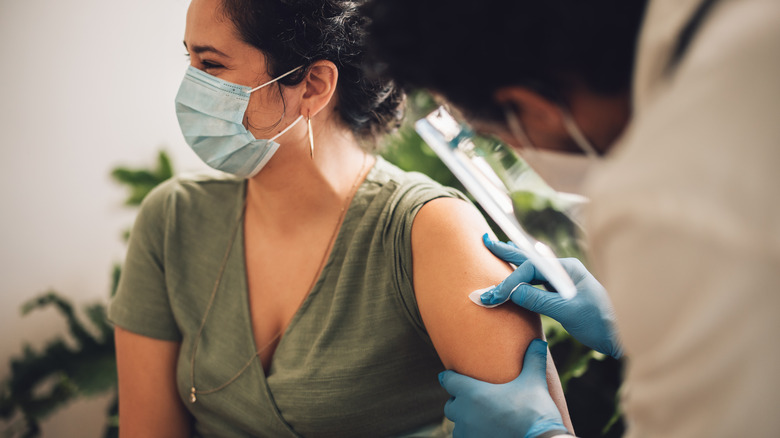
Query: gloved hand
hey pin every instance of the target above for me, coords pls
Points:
(588, 317)
(522, 407)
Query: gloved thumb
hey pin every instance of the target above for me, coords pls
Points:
(455, 383)
(525, 273)
(535, 363)
(538, 301)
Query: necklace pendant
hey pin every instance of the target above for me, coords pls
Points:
(193, 398)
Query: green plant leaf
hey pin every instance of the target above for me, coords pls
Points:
(141, 181)
(77, 330)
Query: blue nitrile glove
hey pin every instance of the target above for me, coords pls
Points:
(520, 408)
(588, 317)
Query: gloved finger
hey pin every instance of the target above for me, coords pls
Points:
(450, 410)
(456, 383)
(535, 364)
(457, 412)
(508, 252)
(459, 432)
(538, 301)
(525, 273)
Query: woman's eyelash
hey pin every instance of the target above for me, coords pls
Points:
(209, 64)
(206, 64)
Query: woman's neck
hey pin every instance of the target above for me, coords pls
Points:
(295, 187)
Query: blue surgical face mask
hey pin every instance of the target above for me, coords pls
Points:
(211, 113)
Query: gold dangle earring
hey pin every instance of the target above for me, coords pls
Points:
(311, 137)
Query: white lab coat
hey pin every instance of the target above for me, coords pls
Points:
(684, 226)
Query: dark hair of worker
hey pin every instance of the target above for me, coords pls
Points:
(547, 46)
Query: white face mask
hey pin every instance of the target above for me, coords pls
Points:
(211, 114)
(562, 171)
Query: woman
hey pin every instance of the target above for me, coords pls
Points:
(302, 296)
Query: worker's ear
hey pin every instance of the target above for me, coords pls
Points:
(320, 82)
(533, 109)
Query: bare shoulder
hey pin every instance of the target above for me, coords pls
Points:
(449, 262)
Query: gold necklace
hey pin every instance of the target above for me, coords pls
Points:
(195, 392)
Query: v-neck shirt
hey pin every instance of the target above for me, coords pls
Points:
(355, 360)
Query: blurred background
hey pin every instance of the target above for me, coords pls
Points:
(86, 85)
(86, 110)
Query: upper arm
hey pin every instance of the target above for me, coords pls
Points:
(149, 405)
(449, 262)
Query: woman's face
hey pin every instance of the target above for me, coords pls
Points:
(214, 46)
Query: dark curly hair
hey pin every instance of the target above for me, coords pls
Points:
(291, 33)
(466, 50)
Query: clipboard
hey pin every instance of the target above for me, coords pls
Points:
(452, 142)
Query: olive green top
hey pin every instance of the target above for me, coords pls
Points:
(355, 360)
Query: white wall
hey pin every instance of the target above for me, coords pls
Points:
(85, 85)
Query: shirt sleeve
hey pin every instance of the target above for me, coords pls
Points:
(142, 304)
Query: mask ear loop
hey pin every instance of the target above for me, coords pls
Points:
(275, 79)
(287, 128)
(516, 128)
(311, 137)
(271, 82)
(568, 122)
(576, 133)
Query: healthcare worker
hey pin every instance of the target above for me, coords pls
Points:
(667, 116)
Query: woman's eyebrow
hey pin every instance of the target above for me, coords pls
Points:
(198, 49)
